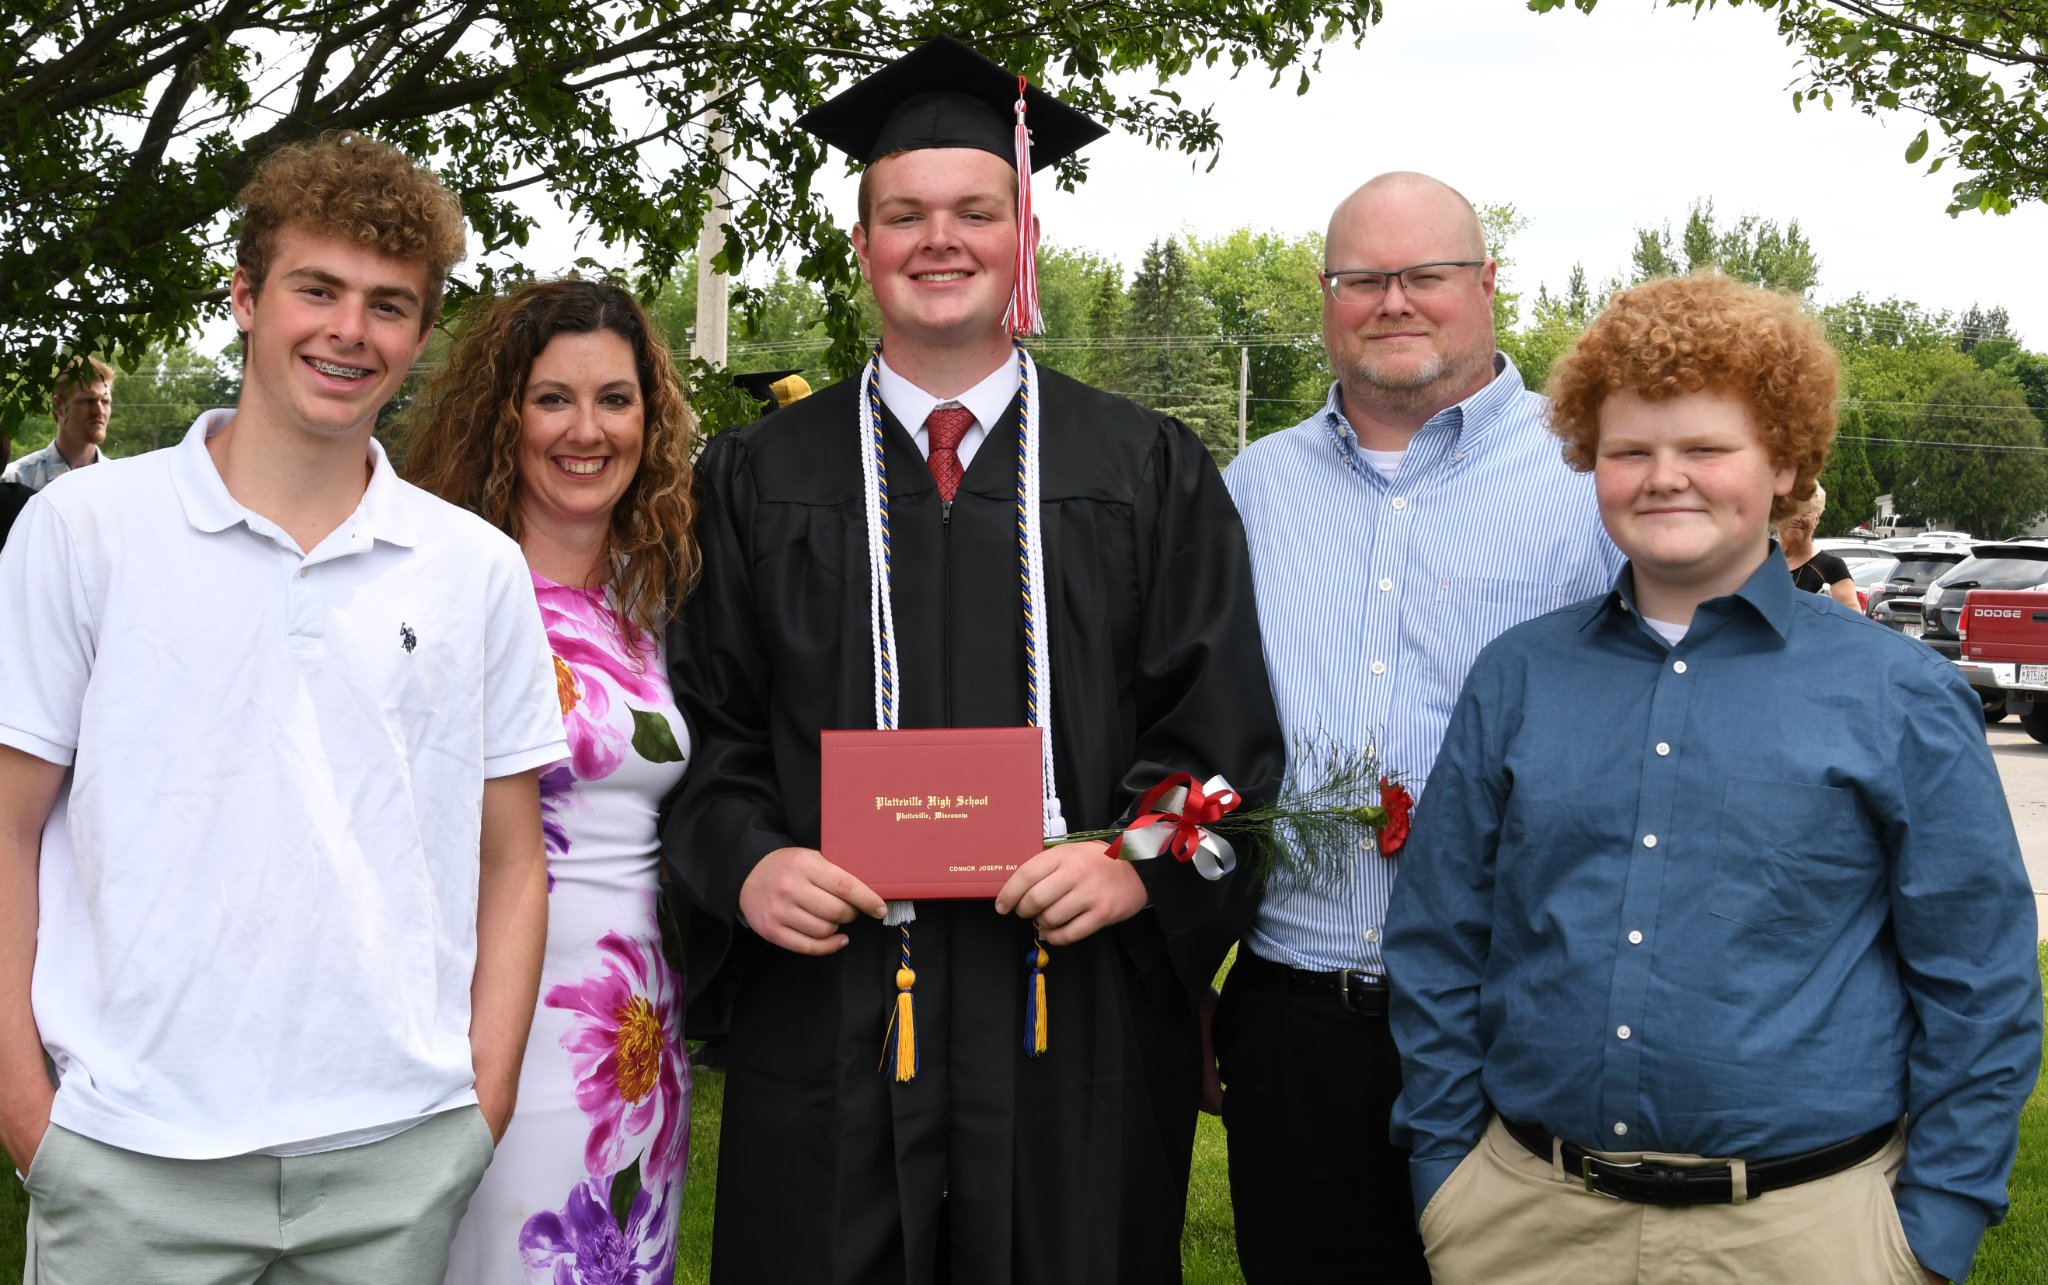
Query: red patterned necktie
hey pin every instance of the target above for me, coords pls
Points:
(945, 426)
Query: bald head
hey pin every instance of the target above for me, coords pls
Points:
(1404, 205)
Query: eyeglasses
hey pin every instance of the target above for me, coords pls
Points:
(1369, 285)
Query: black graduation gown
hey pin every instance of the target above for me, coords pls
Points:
(1071, 1167)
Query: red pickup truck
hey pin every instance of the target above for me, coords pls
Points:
(2005, 632)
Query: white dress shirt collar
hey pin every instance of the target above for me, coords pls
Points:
(987, 401)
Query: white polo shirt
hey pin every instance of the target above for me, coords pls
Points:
(258, 889)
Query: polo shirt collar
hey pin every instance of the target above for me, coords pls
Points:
(1767, 593)
(380, 515)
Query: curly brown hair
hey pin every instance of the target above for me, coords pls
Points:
(1699, 333)
(461, 436)
(347, 185)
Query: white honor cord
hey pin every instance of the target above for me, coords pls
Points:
(881, 609)
(1040, 634)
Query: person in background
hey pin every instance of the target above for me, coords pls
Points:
(82, 403)
(559, 418)
(1712, 966)
(1417, 514)
(1815, 570)
(272, 889)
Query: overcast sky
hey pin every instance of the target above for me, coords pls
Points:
(1591, 125)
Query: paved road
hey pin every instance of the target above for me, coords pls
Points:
(2024, 767)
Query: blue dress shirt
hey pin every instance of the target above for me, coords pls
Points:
(1744, 897)
(1375, 595)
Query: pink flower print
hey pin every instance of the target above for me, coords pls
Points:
(584, 638)
(631, 1077)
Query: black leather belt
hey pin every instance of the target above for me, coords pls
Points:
(1652, 1183)
(1361, 992)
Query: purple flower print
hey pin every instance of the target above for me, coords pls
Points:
(630, 1071)
(583, 1244)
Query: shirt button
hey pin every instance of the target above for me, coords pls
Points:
(1385, 584)
(1379, 667)
(1621, 1032)
(1635, 939)
(1663, 749)
(302, 573)
(1649, 840)
(1372, 936)
(1677, 666)
(1400, 503)
(1620, 1129)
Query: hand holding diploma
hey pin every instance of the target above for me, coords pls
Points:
(795, 899)
(1072, 891)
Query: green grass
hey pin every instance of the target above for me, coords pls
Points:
(2014, 1253)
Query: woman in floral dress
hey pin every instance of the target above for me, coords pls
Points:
(558, 416)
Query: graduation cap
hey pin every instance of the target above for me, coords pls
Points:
(774, 389)
(943, 94)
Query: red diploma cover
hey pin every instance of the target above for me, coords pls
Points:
(944, 812)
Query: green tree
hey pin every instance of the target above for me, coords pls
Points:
(1983, 468)
(1263, 290)
(1852, 487)
(1754, 249)
(1893, 354)
(1501, 224)
(1556, 322)
(1175, 364)
(129, 125)
(1977, 70)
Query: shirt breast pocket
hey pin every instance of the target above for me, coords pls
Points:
(1789, 858)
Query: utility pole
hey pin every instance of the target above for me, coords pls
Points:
(713, 288)
(1244, 391)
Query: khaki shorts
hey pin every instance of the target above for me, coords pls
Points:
(1507, 1217)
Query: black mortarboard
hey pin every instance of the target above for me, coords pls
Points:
(773, 388)
(943, 94)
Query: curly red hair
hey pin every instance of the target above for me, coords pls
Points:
(1706, 333)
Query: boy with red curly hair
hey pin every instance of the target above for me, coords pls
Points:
(1712, 939)
(272, 890)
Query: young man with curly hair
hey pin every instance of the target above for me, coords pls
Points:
(1713, 937)
(270, 849)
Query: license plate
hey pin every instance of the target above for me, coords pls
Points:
(1914, 630)
(2034, 675)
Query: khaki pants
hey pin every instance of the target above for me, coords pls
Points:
(1506, 1217)
(378, 1214)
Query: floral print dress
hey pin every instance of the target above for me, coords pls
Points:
(586, 1186)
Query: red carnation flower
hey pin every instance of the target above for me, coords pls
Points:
(1399, 805)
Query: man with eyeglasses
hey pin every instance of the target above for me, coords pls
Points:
(1420, 512)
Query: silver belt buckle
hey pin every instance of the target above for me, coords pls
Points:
(1586, 1164)
(1349, 977)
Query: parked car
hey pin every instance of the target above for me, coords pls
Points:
(1895, 601)
(2006, 564)
(1851, 551)
(2011, 627)
(1868, 574)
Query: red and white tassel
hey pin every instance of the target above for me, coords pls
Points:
(1023, 317)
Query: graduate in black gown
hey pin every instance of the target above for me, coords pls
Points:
(990, 1165)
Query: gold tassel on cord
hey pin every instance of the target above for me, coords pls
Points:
(903, 1022)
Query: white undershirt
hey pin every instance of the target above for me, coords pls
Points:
(1669, 631)
(1385, 463)
(987, 401)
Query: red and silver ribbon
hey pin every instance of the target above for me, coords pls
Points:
(1174, 816)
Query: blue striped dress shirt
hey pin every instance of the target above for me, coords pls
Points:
(1375, 595)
